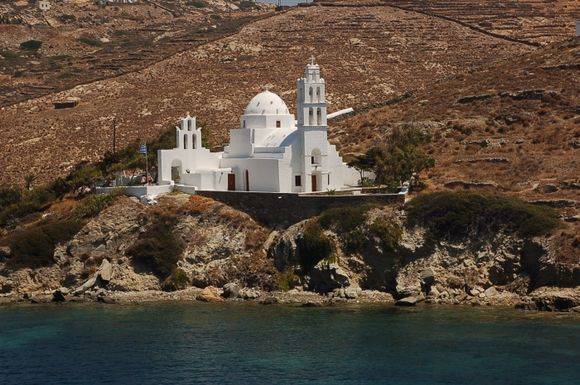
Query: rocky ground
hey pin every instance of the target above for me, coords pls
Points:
(228, 256)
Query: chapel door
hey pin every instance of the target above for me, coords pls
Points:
(231, 182)
(314, 184)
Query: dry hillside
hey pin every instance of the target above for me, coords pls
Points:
(81, 42)
(369, 54)
(514, 125)
(371, 51)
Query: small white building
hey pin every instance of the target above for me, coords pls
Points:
(271, 151)
(44, 5)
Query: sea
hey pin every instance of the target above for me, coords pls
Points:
(197, 343)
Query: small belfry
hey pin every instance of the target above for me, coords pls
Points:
(188, 135)
(271, 150)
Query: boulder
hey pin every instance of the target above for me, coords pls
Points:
(407, 301)
(5, 252)
(59, 295)
(352, 292)
(490, 292)
(210, 294)
(231, 290)
(90, 283)
(427, 279)
(556, 302)
(433, 293)
(249, 294)
(325, 277)
(105, 271)
(269, 300)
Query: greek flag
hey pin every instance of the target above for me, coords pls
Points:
(143, 149)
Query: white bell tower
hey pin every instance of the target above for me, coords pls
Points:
(312, 125)
(188, 135)
(311, 103)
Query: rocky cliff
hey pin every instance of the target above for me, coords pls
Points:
(137, 252)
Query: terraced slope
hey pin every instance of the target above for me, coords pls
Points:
(369, 54)
(533, 21)
(82, 42)
(514, 125)
(538, 21)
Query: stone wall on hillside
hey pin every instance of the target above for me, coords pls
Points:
(283, 209)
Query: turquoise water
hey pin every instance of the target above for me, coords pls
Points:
(191, 343)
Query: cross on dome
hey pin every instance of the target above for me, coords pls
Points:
(312, 60)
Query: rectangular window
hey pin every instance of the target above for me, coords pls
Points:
(329, 179)
(298, 181)
(312, 161)
(278, 124)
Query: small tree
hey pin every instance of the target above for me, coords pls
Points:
(362, 163)
(401, 157)
(28, 179)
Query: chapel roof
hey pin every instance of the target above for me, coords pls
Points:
(266, 103)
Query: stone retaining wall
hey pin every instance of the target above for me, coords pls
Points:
(283, 209)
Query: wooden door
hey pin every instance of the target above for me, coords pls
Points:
(231, 182)
(247, 180)
(314, 185)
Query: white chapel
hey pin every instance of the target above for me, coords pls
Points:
(271, 151)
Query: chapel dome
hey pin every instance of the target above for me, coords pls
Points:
(266, 103)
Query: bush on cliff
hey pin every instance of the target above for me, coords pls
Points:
(457, 215)
(313, 246)
(350, 225)
(94, 204)
(8, 196)
(345, 219)
(33, 246)
(157, 248)
(177, 280)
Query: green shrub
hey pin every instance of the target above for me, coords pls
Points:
(345, 219)
(90, 41)
(313, 246)
(31, 45)
(9, 55)
(456, 215)
(8, 196)
(65, 18)
(286, 280)
(34, 246)
(94, 204)
(30, 202)
(389, 233)
(158, 248)
(177, 280)
(198, 3)
(59, 57)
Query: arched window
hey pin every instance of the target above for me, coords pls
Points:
(244, 123)
(316, 157)
(310, 94)
(185, 142)
(318, 117)
(318, 94)
(310, 117)
(193, 141)
(189, 124)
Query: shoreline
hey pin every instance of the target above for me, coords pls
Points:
(291, 297)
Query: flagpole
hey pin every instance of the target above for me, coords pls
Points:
(146, 165)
